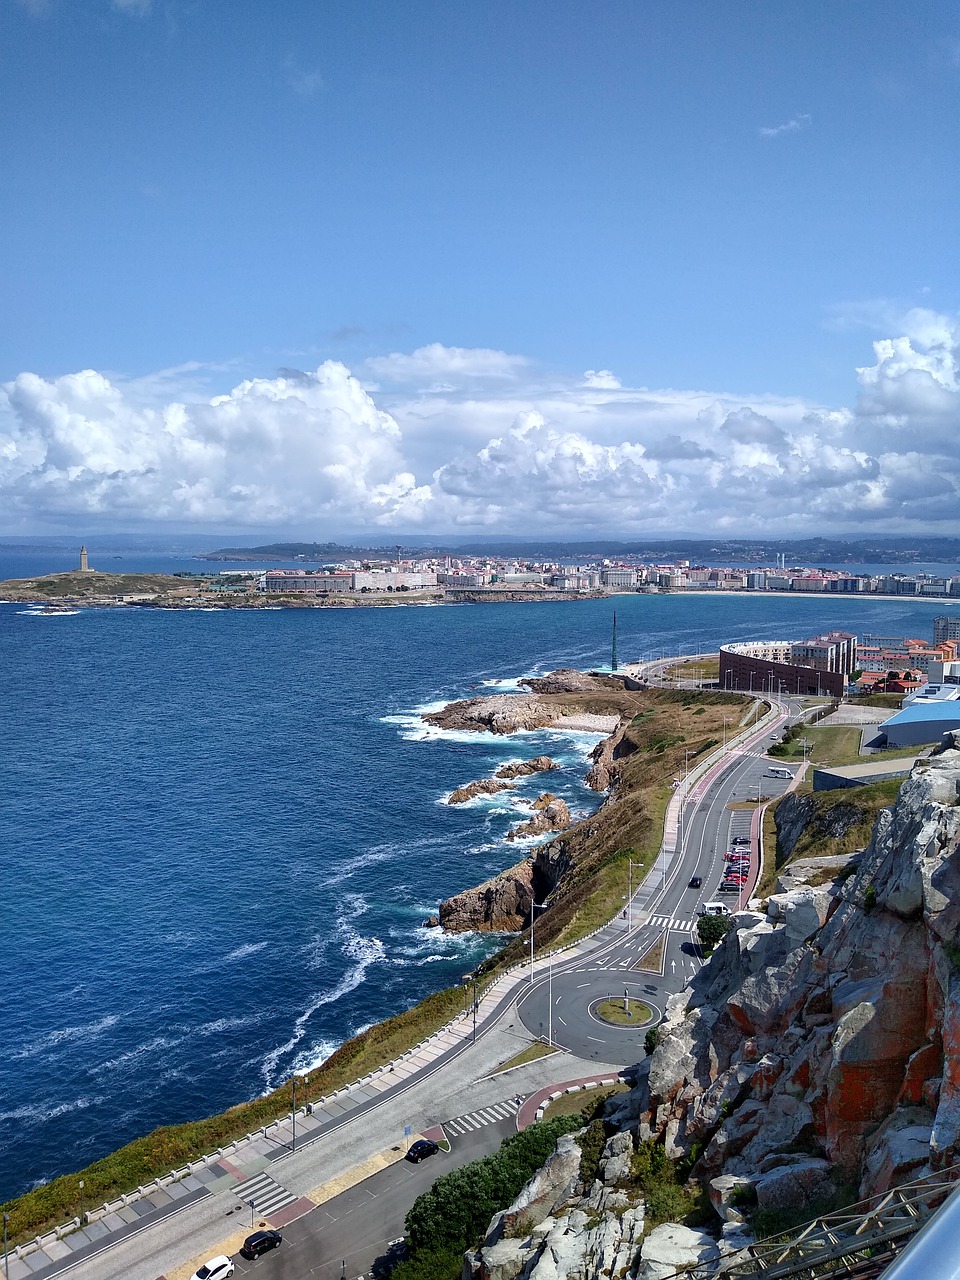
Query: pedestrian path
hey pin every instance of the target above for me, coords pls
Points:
(479, 1118)
(264, 1195)
(673, 922)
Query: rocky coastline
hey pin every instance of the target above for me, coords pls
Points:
(502, 903)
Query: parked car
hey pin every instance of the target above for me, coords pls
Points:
(696, 882)
(260, 1242)
(740, 840)
(421, 1149)
(217, 1268)
(729, 888)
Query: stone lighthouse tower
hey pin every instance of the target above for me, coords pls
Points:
(84, 566)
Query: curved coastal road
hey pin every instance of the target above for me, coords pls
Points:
(561, 1004)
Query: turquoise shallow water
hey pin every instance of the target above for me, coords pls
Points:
(220, 832)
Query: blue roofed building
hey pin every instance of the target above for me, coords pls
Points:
(922, 722)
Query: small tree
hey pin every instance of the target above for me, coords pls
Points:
(710, 929)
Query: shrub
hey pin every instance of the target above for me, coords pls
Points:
(710, 929)
(591, 1143)
(869, 898)
(457, 1209)
(430, 1264)
(651, 1039)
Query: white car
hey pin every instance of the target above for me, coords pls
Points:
(217, 1268)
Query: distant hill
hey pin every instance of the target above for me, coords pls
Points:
(803, 551)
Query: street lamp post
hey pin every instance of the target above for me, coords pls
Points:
(725, 718)
(293, 1136)
(6, 1264)
(534, 908)
(467, 978)
(81, 1185)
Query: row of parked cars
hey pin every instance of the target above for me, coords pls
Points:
(736, 868)
(220, 1267)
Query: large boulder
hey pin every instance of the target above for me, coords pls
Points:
(550, 814)
(899, 1151)
(794, 1182)
(671, 1247)
(550, 1187)
(523, 768)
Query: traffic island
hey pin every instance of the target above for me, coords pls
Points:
(623, 1011)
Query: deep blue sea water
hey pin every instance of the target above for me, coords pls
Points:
(219, 832)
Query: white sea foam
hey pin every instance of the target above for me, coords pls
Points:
(232, 957)
(48, 613)
(248, 949)
(383, 853)
(363, 951)
(86, 1032)
(229, 1024)
(141, 1050)
(35, 1111)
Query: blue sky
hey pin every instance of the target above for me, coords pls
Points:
(727, 201)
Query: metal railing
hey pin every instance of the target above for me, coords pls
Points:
(863, 1239)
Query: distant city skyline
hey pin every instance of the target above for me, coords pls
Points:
(512, 268)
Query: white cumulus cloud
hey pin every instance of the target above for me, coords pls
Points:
(460, 439)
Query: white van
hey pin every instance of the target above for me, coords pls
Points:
(714, 909)
(778, 771)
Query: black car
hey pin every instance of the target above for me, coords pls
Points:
(740, 840)
(695, 882)
(728, 887)
(260, 1242)
(420, 1150)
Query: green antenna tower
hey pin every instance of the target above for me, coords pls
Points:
(613, 656)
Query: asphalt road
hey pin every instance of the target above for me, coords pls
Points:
(563, 1004)
(349, 1234)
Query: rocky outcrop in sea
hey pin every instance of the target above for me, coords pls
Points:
(523, 768)
(550, 814)
(484, 787)
(499, 905)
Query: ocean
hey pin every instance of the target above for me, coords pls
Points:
(222, 830)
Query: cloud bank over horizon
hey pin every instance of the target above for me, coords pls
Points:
(450, 439)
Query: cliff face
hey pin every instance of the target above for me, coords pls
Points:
(818, 1049)
(824, 1034)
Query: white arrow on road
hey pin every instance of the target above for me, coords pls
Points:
(673, 966)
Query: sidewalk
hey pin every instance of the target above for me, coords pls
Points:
(534, 1107)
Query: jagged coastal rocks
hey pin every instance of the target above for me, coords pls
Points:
(824, 1034)
(813, 1058)
(550, 814)
(484, 787)
(523, 768)
(502, 903)
(499, 905)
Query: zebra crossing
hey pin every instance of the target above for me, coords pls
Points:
(673, 922)
(264, 1194)
(482, 1116)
